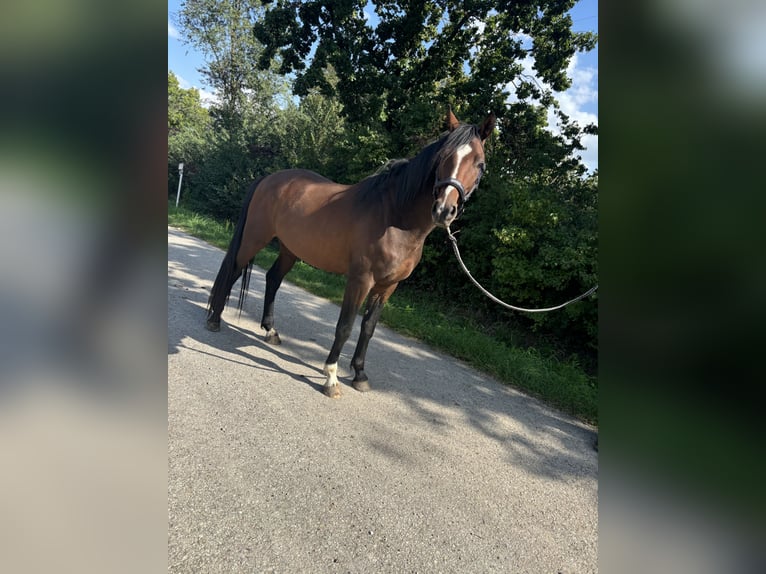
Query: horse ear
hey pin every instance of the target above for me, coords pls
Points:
(452, 121)
(487, 126)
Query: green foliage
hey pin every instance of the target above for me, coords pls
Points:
(532, 241)
(222, 31)
(247, 131)
(315, 135)
(420, 52)
(544, 252)
(219, 186)
(184, 108)
(188, 125)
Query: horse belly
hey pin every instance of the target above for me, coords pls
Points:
(316, 235)
(317, 249)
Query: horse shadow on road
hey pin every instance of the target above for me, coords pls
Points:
(238, 344)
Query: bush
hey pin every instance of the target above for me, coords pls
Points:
(532, 244)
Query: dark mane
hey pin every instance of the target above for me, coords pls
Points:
(403, 180)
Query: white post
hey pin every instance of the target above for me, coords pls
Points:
(180, 179)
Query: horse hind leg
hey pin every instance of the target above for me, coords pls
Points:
(228, 274)
(235, 264)
(276, 273)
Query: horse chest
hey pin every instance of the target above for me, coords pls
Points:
(396, 262)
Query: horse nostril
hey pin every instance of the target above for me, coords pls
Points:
(453, 210)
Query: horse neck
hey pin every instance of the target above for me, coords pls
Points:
(407, 203)
(412, 217)
(416, 217)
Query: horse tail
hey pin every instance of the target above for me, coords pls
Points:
(228, 273)
(244, 286)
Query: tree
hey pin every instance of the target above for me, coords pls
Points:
(242, 146)
(421, 54)
(185, 109)
(222, 31)
(373, 93)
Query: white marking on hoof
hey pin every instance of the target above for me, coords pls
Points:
(272, 337)
(332, 374)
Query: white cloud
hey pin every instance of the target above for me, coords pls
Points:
(206, 97)
(480, 25)
(173, 31)
(590, 154)
(182, 82)
(584, 88)
(583, 93)
(526, 39)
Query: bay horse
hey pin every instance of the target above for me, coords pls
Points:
(371, 232)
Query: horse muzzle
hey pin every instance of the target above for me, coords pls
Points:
(443, 214)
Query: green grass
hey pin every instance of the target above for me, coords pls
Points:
(205, 228)
(562, 384)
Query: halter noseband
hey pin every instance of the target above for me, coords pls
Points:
(460, 189)
(454, 183)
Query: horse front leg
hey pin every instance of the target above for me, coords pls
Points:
(356, 291)
(375, 303)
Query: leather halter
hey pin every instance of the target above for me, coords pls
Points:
(460, 189)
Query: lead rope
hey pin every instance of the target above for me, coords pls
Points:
(498, 301)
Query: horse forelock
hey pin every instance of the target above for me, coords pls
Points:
(457, 138)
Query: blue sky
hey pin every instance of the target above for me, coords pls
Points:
(580, 102)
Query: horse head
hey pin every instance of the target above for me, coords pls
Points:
(461, 165)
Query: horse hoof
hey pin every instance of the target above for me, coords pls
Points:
(212, 325)
(361, 386)
(272, 338)
(333, 392)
